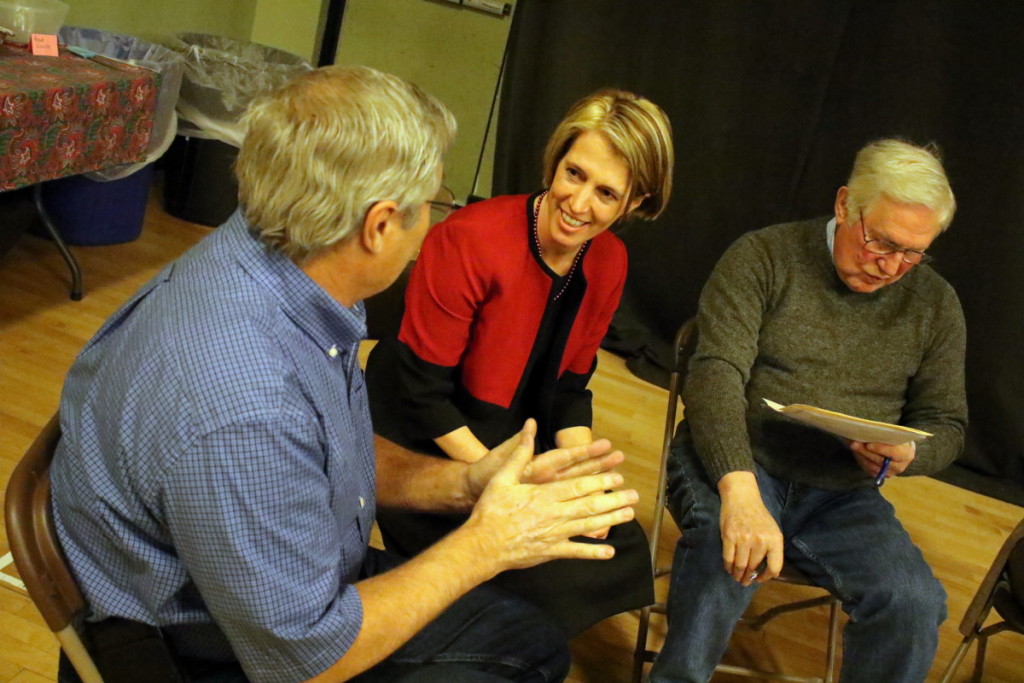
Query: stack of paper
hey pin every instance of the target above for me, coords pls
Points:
(848, 426)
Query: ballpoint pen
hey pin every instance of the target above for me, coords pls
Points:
(880, 479)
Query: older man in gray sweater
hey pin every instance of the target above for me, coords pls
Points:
(842, 313)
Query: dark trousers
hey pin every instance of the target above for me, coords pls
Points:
(576, 594)
(848, 542)
(487, 635)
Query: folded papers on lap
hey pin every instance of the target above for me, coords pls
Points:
(848, 426)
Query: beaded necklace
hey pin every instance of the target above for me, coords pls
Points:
(536, 239)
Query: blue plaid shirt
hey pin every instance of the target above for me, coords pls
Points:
(216, 473)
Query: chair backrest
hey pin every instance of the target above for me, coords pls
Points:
(686, 345)
(683, 347)
(1015, 570)
(1008, 561)
(36, 550)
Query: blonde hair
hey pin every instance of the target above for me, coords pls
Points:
(322, 149)
(903, 172)
(637, 129)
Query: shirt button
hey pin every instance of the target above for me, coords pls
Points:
(333, 352)
(362, 502)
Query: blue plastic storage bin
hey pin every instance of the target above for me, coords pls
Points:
(92, 213)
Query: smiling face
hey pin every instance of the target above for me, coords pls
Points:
(911, 226)
(587, 195)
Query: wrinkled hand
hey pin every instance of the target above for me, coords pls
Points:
(554, 465)
(523, 524)
(870, 457)
(751, 539)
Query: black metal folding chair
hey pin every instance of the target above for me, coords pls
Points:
(684, 346)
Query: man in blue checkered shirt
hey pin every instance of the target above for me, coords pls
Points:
(217, 475)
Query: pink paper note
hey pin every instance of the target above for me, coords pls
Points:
(44, 45)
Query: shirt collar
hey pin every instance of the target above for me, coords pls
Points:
(322, 318)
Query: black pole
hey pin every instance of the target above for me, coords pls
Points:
(332, 32)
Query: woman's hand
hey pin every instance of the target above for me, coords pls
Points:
(554, 465)
(461, 444)
(573, 436)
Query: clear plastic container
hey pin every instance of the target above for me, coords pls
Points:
(26, 17)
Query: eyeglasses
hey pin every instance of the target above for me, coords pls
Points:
(442, 205)
(885, 247)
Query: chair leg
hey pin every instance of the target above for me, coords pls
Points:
(979, 657)
(78, 655)
(640, 651)
(958, 657)
(833, 640)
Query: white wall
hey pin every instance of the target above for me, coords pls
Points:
(450, 51)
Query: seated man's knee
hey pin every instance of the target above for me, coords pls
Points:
(556, 660)
(916, 602)
(929, 598)
(532, 644)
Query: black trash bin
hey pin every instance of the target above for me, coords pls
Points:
(199, 181)
(222, 76)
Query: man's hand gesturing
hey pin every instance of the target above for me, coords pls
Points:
(520, 524)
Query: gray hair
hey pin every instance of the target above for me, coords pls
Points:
(322, 149)
(903, 172)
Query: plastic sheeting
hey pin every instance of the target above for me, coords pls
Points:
(222, 76)
(169, 64)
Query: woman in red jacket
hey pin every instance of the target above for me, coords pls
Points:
(504, 312)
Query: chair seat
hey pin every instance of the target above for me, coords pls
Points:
(791, 574)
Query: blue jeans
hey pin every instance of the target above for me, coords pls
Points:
(848, 542)
(485, 636)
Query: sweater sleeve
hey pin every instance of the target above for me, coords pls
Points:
(573, 401)
(410, 399)
(936, 395)
(445, 289)
(732, 306)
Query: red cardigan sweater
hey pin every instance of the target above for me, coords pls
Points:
(474, 305)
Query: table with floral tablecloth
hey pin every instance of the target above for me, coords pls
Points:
(65, 115)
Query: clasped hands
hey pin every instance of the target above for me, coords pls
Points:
(870, 457)
(529, 507)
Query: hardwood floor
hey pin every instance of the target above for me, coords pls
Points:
(41, 330)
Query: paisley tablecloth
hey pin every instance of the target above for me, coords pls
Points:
(61, 116)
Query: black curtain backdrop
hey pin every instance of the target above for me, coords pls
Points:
(769, 102)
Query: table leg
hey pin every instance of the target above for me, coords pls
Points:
(76, 272)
